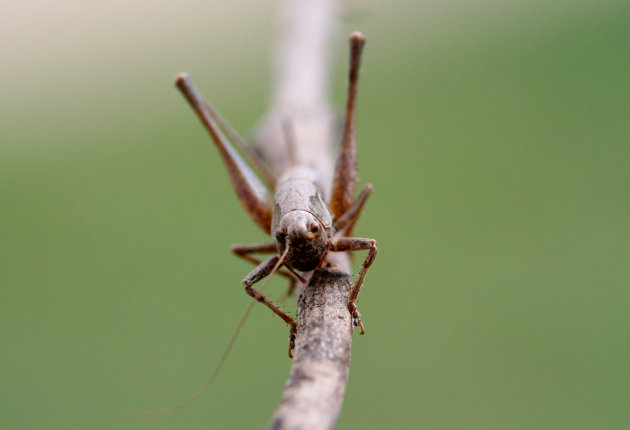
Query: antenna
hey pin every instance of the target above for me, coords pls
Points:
(205, 387)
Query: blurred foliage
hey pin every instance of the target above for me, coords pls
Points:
(496, 135)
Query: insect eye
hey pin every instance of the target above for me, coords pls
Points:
(315, 228)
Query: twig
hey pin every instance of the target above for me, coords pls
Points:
(314, 392)
(299, 91)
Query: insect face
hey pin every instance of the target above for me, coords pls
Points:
(306, 238)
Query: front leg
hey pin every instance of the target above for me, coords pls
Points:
(261, 271)
(245, 250)
(357, 244)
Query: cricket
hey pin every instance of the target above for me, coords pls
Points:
(304, 227)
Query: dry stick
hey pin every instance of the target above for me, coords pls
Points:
(314, 392)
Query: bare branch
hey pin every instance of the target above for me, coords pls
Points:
(300, 90)
(314, 392)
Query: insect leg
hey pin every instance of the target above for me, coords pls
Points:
(245, 149)
(251, 192)
(357, 244)
(345, 223)
(345, 177)
(245, 250)
(260, 272)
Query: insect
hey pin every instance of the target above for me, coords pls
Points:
(304, 227)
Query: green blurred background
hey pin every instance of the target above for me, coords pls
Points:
(496, 135)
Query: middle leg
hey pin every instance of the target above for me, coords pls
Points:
(345, 223)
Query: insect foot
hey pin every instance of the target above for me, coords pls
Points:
(357, 244)
(356, 316)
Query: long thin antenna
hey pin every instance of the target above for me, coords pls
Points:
(205, 387)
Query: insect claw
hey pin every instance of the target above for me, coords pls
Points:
(358, 323)
(291, 346)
